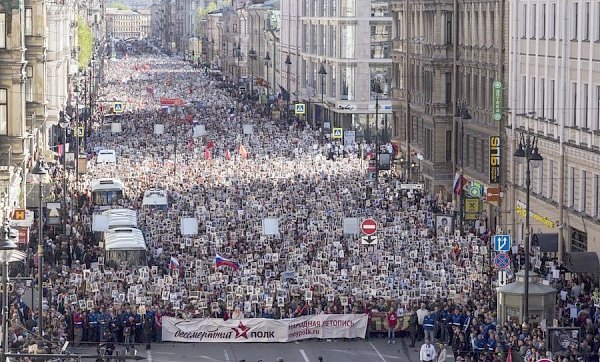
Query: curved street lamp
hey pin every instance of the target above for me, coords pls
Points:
(41, 171)
(7, 247)
(527, 152)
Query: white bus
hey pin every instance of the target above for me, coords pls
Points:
(155, 198)
(107, 192)
(125, 247)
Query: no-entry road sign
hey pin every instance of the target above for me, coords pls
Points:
(368, 226)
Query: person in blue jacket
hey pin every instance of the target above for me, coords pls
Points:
(429, 326)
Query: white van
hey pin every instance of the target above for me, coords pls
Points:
(155, 198)
(106, 157)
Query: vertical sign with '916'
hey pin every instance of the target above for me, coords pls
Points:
(494, 159)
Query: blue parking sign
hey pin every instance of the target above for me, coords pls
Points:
(502, 243)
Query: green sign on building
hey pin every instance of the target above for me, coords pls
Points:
(497, 100)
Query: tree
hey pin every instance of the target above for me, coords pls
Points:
(85, 42)
(201, 16)
(120, 6)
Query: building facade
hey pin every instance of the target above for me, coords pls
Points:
(555, 96)
(337, 65)
(443, 96)
(125, 24)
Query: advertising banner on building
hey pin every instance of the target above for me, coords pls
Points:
(323, 326)
(495, 161)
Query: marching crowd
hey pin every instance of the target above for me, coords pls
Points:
(234, 168)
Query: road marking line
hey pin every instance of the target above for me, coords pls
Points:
(376, 351)
(172, 353)
(226, 355)
(304, 355)
(149, 356)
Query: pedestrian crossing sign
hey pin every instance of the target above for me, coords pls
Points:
(118, 107)
(300, 108)
(337, 133)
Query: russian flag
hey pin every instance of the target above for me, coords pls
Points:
(174, 263)
(220, 261)
(459, 183)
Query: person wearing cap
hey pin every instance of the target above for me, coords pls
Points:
(427, 352)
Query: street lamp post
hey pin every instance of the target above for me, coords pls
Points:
(64, 124)
(322, 74)
(267, 60)
(462, 113)
(377, 90)
(7, 247)
(527, 153)
(252, 57)
(288, 63)
(40, 171)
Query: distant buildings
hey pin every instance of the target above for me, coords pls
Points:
(125, 23)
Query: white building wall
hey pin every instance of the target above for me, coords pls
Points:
(555, 94)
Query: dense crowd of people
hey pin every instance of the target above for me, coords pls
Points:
(247, 171)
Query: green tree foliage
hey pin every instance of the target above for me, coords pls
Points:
(119, 6)
(86, 43)
(201, 16)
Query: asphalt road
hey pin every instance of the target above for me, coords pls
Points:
(374, 350)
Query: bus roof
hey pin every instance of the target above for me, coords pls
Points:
(124, 239)
(106, 184)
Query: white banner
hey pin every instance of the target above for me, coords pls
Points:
(264, 330)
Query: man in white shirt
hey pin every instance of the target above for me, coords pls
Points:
(421, 313)
(427, 352)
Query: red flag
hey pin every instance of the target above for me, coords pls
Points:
(210, 144)
(509, 355)
(190, 145)
(227, 155)
(207, 155)
(60, 149)
(243, 151)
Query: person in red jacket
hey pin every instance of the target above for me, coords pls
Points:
(392, 320)
(77, 328)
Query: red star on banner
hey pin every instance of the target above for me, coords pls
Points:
(241, 331)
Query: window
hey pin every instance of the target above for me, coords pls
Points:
(532, 30)
(574, 104)
(531, 95)
(543, 97)
(28, 21)
(448, 146)
(597, 22)
(2, 30)
(523, 94)
(552, 23)
(584, 107)
(575, 21)
(380, 40)
(551, 100)
(448, 93)
(543, 22)
(380, 75)
(3, 112)
(347, 41)
(348, 8)
(29, 84)
(347, 83)
(571, 187)
(582, 193)
(596, 125)
(585, 26)
(540, 180)
(448, 31)
(523, 23)
(578, 241)
(550, 180)
(595, 185)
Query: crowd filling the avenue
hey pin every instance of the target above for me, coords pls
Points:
(269, 195)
